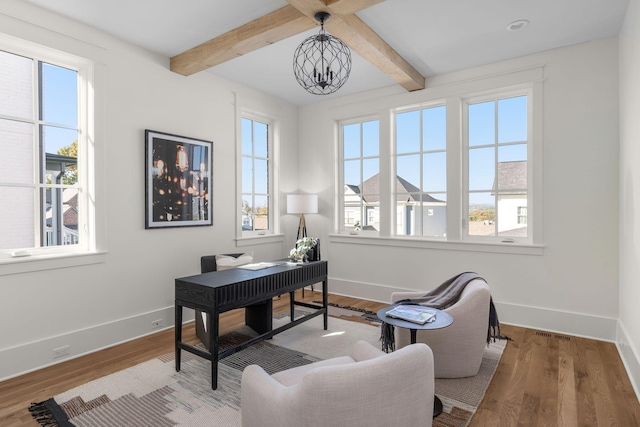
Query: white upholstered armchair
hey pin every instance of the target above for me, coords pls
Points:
(370, 388)
(457, 349)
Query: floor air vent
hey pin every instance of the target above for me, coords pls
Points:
(548, 335)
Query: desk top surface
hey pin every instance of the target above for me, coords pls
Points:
(236, 275)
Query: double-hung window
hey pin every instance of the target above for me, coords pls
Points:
(45, 163)
(256, 167)
(420, 182)
(361, 175)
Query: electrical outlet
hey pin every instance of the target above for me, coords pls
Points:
(156, 324)
(60, 352)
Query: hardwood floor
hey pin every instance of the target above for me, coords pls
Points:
(543, 379)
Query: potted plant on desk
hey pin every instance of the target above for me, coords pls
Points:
(306, 249)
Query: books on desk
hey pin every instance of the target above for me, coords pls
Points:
(413, 313)
(259, 265)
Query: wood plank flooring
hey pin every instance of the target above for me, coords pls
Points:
(543, 379)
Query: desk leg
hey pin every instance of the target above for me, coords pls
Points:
(325, 302)
(292, 299)
(437, 403)
(178, 334)
(214, 329)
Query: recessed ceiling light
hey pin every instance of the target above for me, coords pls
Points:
(517, 25)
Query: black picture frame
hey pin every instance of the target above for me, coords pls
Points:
(178, 173)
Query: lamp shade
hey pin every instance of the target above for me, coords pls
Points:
(302, 203)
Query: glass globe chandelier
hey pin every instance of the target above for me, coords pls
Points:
(322, 63)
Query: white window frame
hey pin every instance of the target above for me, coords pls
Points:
(496, 95)
(87, 147)
(272, 135)
(452, 95)
(341, 226)
(420, 208)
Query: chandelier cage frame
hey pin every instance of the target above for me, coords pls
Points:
(322, 62)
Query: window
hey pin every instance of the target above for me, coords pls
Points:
(522, 214)
(420, 183)
(497, 144)
(256, 176)
(361, 176)
(45, 165)
(455, 171)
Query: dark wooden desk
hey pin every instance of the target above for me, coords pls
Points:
(220, 291)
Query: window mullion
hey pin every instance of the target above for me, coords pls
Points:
(456, 148)
(387, 170)
(361, 160)
(39, 158)
(420, 211)
(496, 162)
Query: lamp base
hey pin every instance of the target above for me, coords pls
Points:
(302, 228)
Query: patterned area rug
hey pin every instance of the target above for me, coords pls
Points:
(154, 394)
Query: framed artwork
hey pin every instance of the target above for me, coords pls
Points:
(178, 173)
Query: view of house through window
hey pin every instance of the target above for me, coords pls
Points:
(420, 183)
(255, 175)
(497, 158)
(485, 140)
(361, 169)
(39, 164)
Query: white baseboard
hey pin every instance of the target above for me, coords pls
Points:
(630, 357)
(35, 355)
(582, 325)
(576, 324)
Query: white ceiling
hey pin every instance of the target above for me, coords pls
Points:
(435, 36)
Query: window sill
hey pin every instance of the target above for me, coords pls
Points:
(504, 248)
(259, 239)
(11, 265)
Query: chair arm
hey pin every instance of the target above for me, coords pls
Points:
(362, 350)
(261, 396)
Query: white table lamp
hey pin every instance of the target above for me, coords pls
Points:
(302, 204)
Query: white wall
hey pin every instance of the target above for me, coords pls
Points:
(629, 323)
(573, 286)
(92, 306)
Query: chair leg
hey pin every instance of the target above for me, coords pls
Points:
(312, 290)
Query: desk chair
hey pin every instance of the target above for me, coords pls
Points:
(258, 316)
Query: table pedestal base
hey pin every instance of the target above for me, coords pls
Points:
(437, 406)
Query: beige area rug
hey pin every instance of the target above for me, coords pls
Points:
(153, 394)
